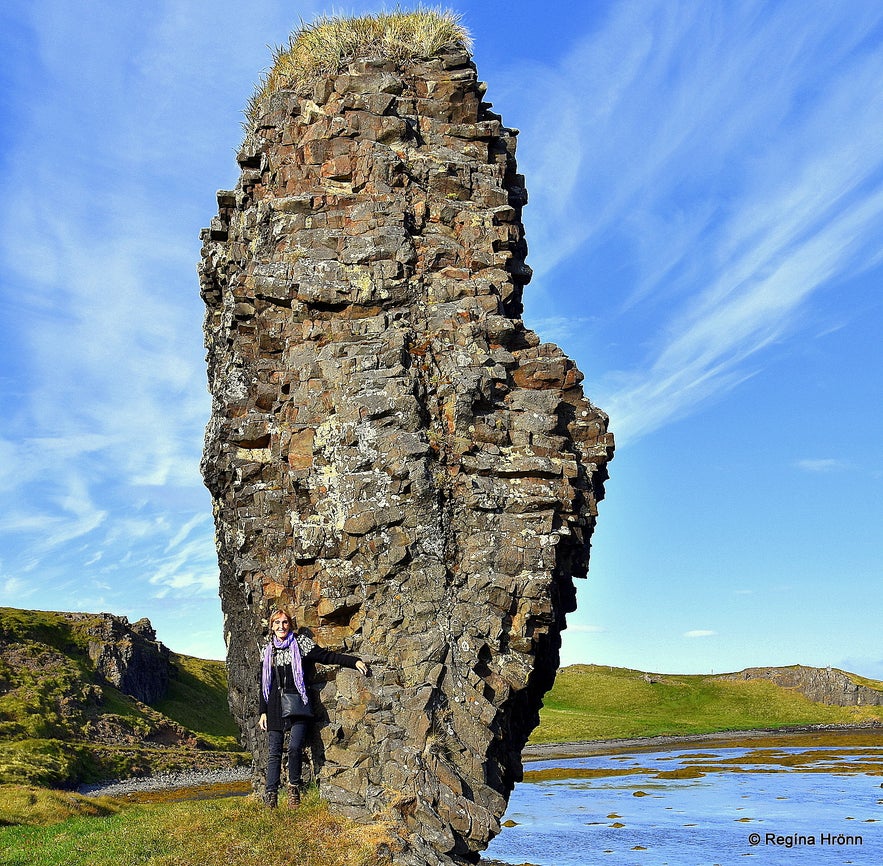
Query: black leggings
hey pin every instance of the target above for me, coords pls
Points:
(274, 759)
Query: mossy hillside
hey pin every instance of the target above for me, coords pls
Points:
(61, 724)
(865, 681)
(590, 702)
(34, 806)
(197, 699)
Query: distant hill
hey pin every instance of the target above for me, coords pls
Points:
(593, 702)
(85, 697)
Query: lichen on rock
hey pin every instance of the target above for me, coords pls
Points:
(391, 454)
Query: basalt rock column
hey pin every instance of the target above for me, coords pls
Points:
(391, 453)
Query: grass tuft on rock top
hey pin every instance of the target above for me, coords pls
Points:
(234, 830)
(329, 43)
(593, 702)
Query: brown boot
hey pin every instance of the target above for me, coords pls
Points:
(293, 796)
(270, 799)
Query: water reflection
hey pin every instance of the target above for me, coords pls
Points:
(699, 807)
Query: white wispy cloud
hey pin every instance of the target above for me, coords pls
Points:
(14, 589)
(579, 628)
(823, 464)
(100, 452)
(730, 153)
(199, 519)
(700, 632)
(558, 329)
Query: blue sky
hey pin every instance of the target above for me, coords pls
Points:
(705, 228)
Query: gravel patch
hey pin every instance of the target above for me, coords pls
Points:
(167, 782)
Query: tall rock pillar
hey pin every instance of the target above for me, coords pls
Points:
(392, 455)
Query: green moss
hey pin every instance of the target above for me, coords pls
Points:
(42, 762)
(45, 693)
(45, 627)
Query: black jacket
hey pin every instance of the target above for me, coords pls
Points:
(311, 654)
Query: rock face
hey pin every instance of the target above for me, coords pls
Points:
(824, 685)
(392, 455)
(128, 656)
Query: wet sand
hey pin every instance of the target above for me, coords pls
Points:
(796, 736)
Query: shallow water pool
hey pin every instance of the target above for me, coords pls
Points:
(692, 807)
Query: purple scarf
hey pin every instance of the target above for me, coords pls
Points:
(297, 667)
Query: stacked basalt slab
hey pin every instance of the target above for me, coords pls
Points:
(392, 455)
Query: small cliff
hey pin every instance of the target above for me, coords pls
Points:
(392, 455)
(823, 685)
(128, 656)
(86, 697)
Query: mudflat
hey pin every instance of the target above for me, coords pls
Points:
(833, 735)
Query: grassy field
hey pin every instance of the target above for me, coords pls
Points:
(76, 831)
(591, 702)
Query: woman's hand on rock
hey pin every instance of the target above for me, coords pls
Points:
(362, 668)
(262, 722)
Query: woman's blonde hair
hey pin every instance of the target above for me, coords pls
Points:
(277, 614)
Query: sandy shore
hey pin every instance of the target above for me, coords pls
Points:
(587, 748)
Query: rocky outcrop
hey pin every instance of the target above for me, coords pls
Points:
(128, 657)
(71, 687)
(823, 685)
(391, 454)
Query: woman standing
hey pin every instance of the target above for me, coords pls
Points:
(287, 665)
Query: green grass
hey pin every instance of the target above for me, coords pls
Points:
(232, 830)
(864, 681)
(197, 699)
(329, 43)
(62, 724)
(34, 806)
(45, 627)
(590, 702)
(43, 761)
